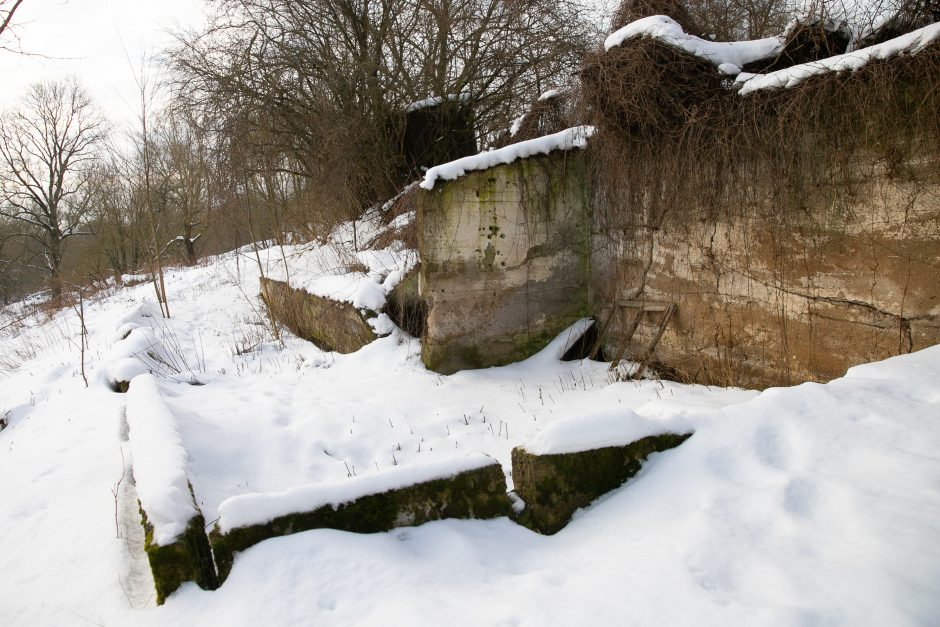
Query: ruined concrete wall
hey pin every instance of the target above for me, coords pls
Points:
(772, 297)
(505, 260)
(331, 325)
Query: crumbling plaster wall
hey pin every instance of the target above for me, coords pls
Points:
(769, 296)
(505, 260)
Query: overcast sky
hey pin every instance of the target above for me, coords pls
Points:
(88, 38)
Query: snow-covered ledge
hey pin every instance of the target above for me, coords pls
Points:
(463, 487)
(175, 539)
(911, 43)
(728, 56)
(575, 460)
(568, 139)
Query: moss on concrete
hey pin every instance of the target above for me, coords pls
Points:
(187, 559)
(554, 486)
(496, 351)
(479, 493)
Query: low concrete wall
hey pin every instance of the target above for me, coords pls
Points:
(331, 325)
(555, 486)
(187, 559)
(505, 260)
(479, 493)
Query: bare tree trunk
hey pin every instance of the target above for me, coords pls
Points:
(264, 286)
(148, 193)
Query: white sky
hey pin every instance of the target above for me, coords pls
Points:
(87, 38)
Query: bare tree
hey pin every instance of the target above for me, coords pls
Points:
(183, 172)
(144, 164)
(48, 149)
(116, 219)
(324, 82)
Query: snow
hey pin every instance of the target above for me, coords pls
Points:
(516, 125)
(728, 54)
(911, 43)
(401, 221)
(586, 432)
(129, 343)
(567, 139)
(258, 508)
(382, 325)
(730, 57)
(548, 95)
(435, 101)
(323, 269)
(159, 461)
(556, 349)
(816, 504)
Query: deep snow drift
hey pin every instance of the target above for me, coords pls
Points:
(818, 504)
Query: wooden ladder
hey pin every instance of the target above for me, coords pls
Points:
(641, 306)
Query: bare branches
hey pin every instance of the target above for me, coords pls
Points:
(316, 88)
(7, 9)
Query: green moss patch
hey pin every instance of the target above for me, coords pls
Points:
(479, 493)
(187, 559)
(554, 486)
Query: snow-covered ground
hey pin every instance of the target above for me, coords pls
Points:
(814, 505)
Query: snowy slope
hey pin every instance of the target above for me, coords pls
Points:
(811, 505)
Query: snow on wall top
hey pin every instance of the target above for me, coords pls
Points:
(729, 57)
(258, 508)
(911, 43)
(585, 433)
(434, 101)
(567, 139)
(159, 461)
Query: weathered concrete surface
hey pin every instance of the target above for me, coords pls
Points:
(479, 493)
(505, 260)
(766, 295)
(554, 486)
(772, 297)
(331, 325)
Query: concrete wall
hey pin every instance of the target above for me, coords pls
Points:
(777, 297)
(331, 325)
(765, 296)
(505, 260)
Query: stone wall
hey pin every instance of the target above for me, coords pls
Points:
(505, 260)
